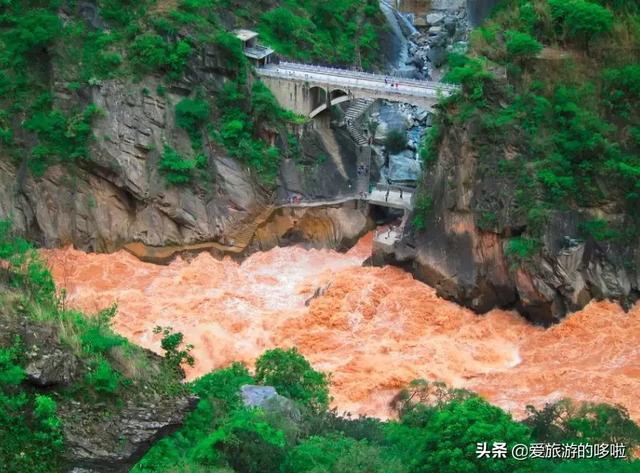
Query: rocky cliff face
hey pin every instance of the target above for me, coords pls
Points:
(119, 197)
(464, 257)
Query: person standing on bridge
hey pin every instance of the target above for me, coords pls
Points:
(386, 197)
(401, 192)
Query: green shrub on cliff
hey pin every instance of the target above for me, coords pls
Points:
(128, 41)
(61, 138)
(31, 437)
(396, 141)
(150, 52)
(192, 115)
(452, 435)
(25, 269)
(333, 31)
(581, 19)
(240, 121)
(340, 454)
(103, 378)
(438, 429)
(568, 421)
(521, 249)
(176, 169)
(522, 47)
(176, 354)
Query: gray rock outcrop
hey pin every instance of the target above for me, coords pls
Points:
(463, 254)
(115, 444)
(268, 399)
(119, 196)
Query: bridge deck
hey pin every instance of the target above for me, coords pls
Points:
(354, 79)
(394, 199)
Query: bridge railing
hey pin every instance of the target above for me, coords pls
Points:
(360, 74)
(395, 187)
(415, 90)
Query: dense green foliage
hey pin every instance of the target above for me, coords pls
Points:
(424, 204)
(568, 114)
(329, 32)
(176, 169)
(522, 46)
(293, 377)
(31, 436)
(24, 268)
(192, 115)
(243, 112)
(60, 138)
(438, 430)
(176, 354)
(150, 52)
(396, 141)
(338, 453)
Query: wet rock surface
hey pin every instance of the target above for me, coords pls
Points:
(115, 444)
(443, 29)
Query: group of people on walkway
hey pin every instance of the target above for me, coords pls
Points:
(294, 199)
(386, 197)
(388, 81)
(362, 170)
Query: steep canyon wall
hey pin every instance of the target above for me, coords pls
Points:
(464, 257)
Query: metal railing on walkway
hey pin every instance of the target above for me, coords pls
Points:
(356, 79)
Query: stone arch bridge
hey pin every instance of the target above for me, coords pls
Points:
(310, 90)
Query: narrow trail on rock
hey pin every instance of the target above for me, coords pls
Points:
(374, 329)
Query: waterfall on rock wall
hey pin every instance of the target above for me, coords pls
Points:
(400, 45)
(479, 9)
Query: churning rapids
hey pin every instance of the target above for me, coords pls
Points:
(374, 329)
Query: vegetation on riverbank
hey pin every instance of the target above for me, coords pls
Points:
(109, 370)
(438, 430)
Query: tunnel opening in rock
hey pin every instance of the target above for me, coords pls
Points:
(383, 216)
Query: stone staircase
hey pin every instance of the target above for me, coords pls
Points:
(364, 171)
(351, 117)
